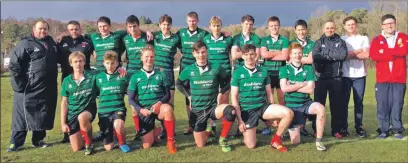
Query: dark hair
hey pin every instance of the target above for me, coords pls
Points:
(104, 19)
(247, 18)
(74, 22)
(193, 14)
(349, 18)
(166, 18)
(132, 19)
(273, 19)
(301, 22)
(248, 47)
(198, 45)
(387, 16)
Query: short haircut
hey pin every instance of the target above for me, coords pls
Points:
(132, 19)
(215, 20)
(247, 48)
(387, 16)
(273, 19)
(76, 54)
(166, 18)
(198, 45)
(104, 19)
(148, 47)
(349, 18)
(74, 22)
(193, 14)
(294, 45)
(110, 56)
(247, 18)
(301, 22)
(42, 21)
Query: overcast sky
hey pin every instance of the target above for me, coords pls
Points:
(229, 11)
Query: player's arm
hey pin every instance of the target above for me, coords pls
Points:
(283, 54)
(308, 59)
(224, 79)
(269, 94)
(365, 49)
(183, 83)
(286, 87)
(377, 54)
(307, 88)
(64, 108)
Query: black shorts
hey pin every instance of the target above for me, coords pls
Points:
(300, 114)
(106, 124)
(170, 76)
(251, 117)
(73, 123)
(146, 124)
(198, 118)
(275, 82)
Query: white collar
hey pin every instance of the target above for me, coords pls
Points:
(165, 37)
(191, 34)
(393, 36)
(246, 38)
(297, 70)
(249, 71)
(219, 38)
(201, 69)
(148, 74)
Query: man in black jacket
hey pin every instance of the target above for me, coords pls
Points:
(329, 53)
(68, 44)
(33, 76)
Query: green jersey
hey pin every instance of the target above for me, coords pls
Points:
(165, 49)
(219, 50)
(251, 87)
(187, 40)
(293, 75)
(112, 90)
(79, 93)
(149, 87)
(204, 84)
(239, 40)
(134, 48)
(102, 44)
(307, 47)
(274, 45)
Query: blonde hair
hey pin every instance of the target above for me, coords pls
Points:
(148, 47)
(215, 20)
(76, 54)
(110, 56)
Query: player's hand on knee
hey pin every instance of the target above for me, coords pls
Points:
(65, 128)
(156, 107)
(275, 123)
(241, 126)
(145, 112)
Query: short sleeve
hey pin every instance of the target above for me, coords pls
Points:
(133, 83)
(235, 79)
(285, 43)
(64, 91)
(283, 73)
(184, 75)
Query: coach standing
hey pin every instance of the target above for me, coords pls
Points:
(329, 53)
(389, 51)
(33, 71)
(68, 44)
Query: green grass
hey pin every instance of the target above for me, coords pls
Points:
(351, 149)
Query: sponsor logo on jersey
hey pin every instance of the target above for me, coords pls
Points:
(100, 80)
(304, 73)
(336, 44)
(36, 49)
(242, 76)
(69, 86)
(65, 45)
(138, 79)
(192, 73)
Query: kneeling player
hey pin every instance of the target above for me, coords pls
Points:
(205, 79)
(78, 107)
(111, 109)
(251, 96)
(297, 82)
(149, 94)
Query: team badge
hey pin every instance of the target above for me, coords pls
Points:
(36, 49)
(157, 77)
(84, 44)
(69, 86)
(267, 42)
(138, 79)
(304, 73)
(100, 80)
(242, 75)
(259, 75)
(118, 78)
(381, 42)
(192, 73)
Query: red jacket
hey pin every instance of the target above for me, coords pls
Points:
(382, 55)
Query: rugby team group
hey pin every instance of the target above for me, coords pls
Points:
(223, 77)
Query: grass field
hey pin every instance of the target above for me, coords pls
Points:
(350, 149)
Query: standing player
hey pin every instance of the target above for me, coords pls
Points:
(307, 61)
(355, 72)
(149, 93)
(250, 91)
(188, 36)
(246, 37)
(274, 50)
(111, 109)
(297, 81)
(78, 107)
(68, 44)
(205, 79)
(219, 47)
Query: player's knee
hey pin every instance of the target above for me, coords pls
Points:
(76, 149)
(108, 147)
(134, 113)
(200, 145)
(295, 141)
(250, 145)
(288, 113)
(147, 145)
(229, 113)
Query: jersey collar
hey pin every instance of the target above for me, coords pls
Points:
(297, 69)
(246, 38)
(249, 71)
(148, 74)
(219, 38)
(201, 69)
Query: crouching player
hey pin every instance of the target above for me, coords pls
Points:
(251, 96)
(205, 79)
(149, 94)
(111, 108)
(78, 107)
(297, 82)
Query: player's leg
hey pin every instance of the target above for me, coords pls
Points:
(148, 130)
(167, 115)
(198, 121)
(285, 116)
(250, 118)
(85, 127)
(106, 125)
(135, 118)
(76, 141)
(227, 114)
(320, 112)
(250, 138)
(294, 133)
(120, 132)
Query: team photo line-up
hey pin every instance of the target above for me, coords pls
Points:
(223, 77)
